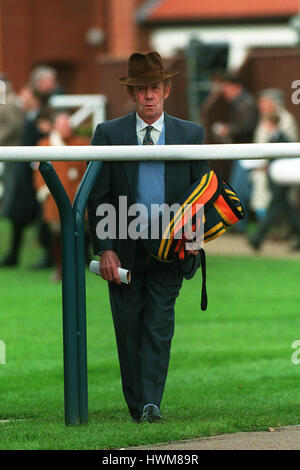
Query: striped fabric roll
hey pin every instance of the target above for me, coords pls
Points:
(205, 211)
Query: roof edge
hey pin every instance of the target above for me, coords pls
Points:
(143, 13)
(226, 21)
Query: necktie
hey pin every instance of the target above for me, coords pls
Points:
(148, 139)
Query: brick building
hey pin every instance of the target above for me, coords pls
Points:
(88, 41)
(67, 34)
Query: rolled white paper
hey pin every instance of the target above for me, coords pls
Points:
(125, 275)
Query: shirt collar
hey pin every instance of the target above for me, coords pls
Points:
(158, 124)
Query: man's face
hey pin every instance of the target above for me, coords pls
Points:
(149, 100)
(62, 126)
(266, 106)
(230, 90)
(46, 84)
(28, 100)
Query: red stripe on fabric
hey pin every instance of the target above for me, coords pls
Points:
(223, 208)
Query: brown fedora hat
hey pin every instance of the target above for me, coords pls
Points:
(146, 69)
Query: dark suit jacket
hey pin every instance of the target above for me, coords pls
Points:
(20, 204)
(120, 178)
(243, 118)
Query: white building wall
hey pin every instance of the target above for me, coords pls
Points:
(166, 40)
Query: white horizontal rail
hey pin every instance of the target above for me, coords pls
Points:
(73, 101)
(94, 105)
(151, 152)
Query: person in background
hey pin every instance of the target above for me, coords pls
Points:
(70, 175)
(44, 80)
(280, 204)
(19, 205)
(20, 202)
(239, 128)
(270, 101)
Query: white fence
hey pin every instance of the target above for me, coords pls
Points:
(89, 105)
(286, 151)
(156, 152)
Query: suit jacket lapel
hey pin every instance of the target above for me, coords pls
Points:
(129, 137)
(172, 167)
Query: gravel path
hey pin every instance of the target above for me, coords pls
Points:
(238, 245)
(286, 438)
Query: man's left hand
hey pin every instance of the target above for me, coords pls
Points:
(193, 252)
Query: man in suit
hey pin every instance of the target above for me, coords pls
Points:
(143, 311)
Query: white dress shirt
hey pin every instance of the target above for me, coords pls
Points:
(155, 132)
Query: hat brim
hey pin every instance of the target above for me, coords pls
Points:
(142, 81)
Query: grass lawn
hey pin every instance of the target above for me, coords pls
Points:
(230, 369)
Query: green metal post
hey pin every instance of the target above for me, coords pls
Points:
(73, 288)
(70, 344)
(79, 207)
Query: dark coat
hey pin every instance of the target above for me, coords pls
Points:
(120, 178)
(243, 118)
(69, 173)
(19, 204)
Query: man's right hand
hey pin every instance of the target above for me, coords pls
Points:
(109, 264)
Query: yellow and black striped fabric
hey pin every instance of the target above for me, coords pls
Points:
(209, 202)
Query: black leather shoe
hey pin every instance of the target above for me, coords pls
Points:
(136, 419)
(254, 244)
(151, 413)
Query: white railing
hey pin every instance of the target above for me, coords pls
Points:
(74, 315)
(285, 171)
(89, 105)
(155, 152)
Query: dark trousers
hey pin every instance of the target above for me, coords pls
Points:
(241, 182)
(280, 205)
(17, 233)
(143, 316)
